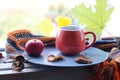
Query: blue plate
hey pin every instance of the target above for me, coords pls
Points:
(95, 54)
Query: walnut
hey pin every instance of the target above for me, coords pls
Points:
(18, 63)
(114, 49)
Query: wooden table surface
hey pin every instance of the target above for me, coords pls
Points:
(40, 72)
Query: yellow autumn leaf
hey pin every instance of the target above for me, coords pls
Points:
(45, 27)
(63, 21)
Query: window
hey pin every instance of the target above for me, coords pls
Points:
(36, 14)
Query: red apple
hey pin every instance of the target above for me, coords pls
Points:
(34, 47)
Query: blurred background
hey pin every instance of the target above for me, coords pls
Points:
(39, 16)
(35, 15)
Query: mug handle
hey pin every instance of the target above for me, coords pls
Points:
(92, 42)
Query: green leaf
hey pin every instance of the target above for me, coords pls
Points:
(94, 21)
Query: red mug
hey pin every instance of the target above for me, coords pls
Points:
(70, 40)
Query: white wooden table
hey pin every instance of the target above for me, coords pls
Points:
(38, 72)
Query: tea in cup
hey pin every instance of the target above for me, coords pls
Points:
(70, 40)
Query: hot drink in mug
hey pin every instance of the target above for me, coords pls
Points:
(70, 40)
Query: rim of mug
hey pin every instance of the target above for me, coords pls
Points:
(71, 28)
